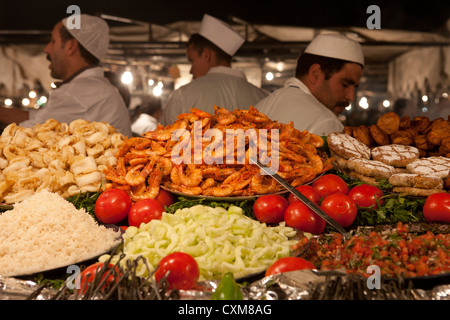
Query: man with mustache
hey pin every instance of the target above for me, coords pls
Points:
(326, 76)
(84, 92)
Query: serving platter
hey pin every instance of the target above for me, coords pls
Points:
(60, 270)
(231, 198)
(297, 252)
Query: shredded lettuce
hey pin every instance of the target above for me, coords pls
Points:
(221, 240)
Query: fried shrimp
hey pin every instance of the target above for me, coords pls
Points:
(210, 155)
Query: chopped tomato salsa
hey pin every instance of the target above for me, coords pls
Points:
(397, 253)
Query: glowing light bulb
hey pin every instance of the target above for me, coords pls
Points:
(386, 103)
(8, 102)
(32, 94)
(157, 91)
(269, 76)
(127, 77)
(25, 102)
(363, 103)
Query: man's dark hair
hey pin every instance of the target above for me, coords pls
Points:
(88, 57)
(328, 65)
(200, 43)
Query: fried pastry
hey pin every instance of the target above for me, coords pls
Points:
(445, 145)
(379, 136)
(415, 191)
(421, 142)
(416, 181)
(437, 166)
(395, 155)
(363, 178)
(362, 134)
(420, 123)
(389, 122)
(438, 131)
(405, 123)
(371, 168)
(348, 130)
(402, 137)
(346, 146)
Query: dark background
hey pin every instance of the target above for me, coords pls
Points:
(401, 14)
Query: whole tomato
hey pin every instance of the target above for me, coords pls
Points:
(88, 275)
(270, 208)
(329, 184)
(299, 216)
(341, 208)
(112, 206)
(307, 191)
(143, 211)
(365, 195)
(437, 207)
(184, 270)
(165, 198)
(287, 264)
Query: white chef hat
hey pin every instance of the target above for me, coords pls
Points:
(336, 46)
(92, 32)
(221, 34)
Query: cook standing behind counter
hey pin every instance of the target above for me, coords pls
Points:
(84, 93)
(326, 76)
(215, 83)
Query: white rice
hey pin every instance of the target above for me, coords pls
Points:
(45, 232)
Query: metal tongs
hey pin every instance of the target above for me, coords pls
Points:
(302, 198)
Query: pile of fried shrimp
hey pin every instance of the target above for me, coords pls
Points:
(169, 157)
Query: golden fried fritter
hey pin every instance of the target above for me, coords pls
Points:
(379, 136)
(389, 122)
(362, 134)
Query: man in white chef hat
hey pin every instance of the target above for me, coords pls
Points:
(210, 52)
(75, 51)
(327, 74)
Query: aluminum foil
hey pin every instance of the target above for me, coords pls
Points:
(16, 289)
(294, 285)
(336, 285)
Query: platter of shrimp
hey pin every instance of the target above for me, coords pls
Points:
(207, 155)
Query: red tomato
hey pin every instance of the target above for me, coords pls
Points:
(365, 195)
(288, 264)
(299, 216)
(143, 211)
(341, 208)
(307, 191)
(165, 198)
(112, 206)
(329, 184)
(270, 208)
(184, 270)
(437, 207)
(87, 276)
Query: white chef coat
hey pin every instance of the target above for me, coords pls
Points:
(295, 102)
(221, 86)
(89, 96)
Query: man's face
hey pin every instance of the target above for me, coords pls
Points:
(199, 63)
(55, 54)
(338, 91)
